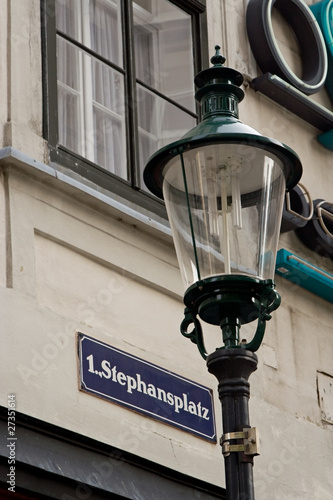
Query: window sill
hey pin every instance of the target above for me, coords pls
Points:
(85, 191)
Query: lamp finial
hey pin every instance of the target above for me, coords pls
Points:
(217, 59)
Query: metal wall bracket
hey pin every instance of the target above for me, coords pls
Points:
(250, 446)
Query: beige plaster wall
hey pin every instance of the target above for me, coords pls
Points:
(75, 268)
(21, 105)
(70, 262)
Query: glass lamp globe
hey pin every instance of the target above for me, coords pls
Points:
(224, 185)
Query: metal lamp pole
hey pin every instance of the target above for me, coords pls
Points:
(232, 368)
(230, 302)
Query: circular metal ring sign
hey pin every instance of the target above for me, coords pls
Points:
(266, 49)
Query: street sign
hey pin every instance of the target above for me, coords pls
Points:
(146, 388)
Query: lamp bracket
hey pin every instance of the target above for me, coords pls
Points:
(196, 335)
(249, 446)
(229, 301)
(270, 301)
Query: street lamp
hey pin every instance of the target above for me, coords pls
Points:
(224, 184)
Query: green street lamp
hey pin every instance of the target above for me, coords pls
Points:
(224, 184)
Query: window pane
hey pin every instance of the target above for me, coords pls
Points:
(69, 95)
(109, 148)
(91, 115)
(163, 49)
(109, 119)
(105, 30)
(160, 123)
(67, 18)
(94, 23)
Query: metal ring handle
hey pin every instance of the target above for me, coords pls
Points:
(288, 205)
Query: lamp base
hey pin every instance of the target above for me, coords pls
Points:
(238, 296)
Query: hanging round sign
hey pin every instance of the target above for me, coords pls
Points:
(266, 49)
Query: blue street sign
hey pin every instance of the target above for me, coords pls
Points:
(132, 382)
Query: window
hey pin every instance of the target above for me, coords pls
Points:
(119, 84)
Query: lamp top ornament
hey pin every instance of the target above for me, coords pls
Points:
(219, 94)
(229, 78)
(217, 59)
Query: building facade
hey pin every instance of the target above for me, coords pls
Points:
(90, 89)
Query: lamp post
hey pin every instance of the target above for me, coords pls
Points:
(223, 184)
